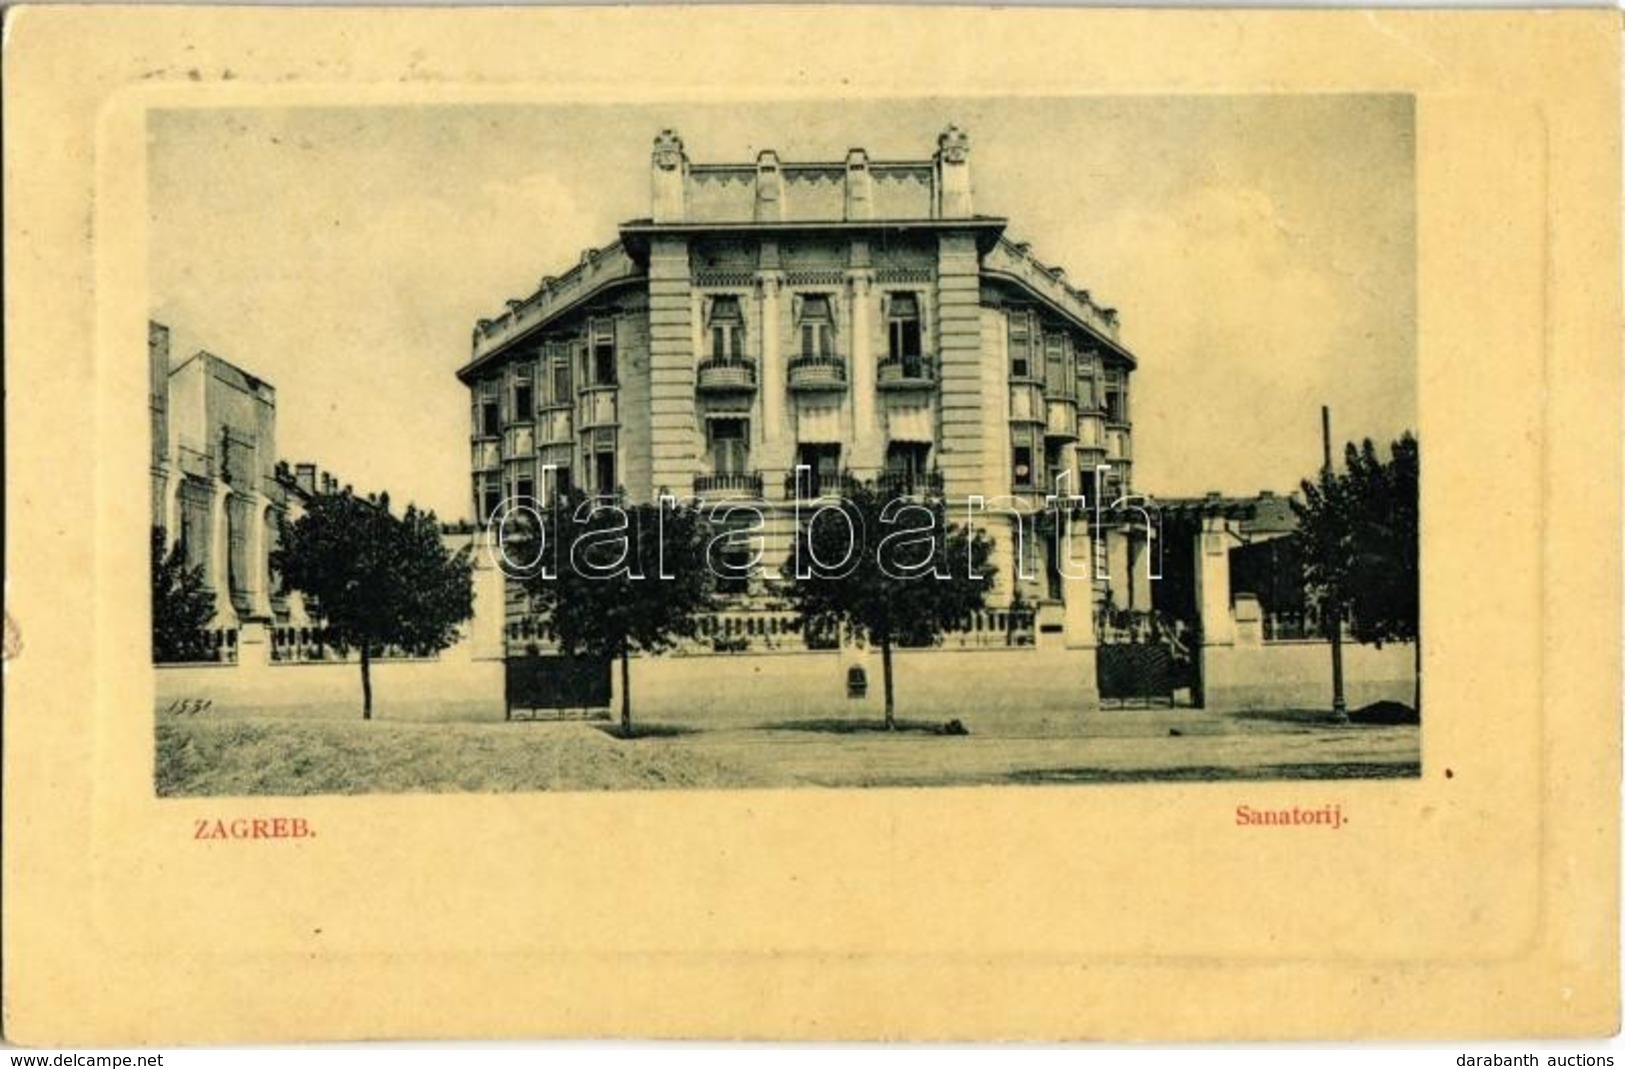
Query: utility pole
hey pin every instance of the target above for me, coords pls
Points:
(1332, 618)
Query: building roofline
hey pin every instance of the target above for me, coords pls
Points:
(485, 351)
(1026, 273)
(1048, 284)
(635, 233)
(254, 381)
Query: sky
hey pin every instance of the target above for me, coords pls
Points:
(1260, 251)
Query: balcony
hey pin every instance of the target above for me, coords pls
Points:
(894, 484)
(726, 376)
(735, 483)
(907, 373)
(1062, 424)
(518, 441)
(816, 485)
(1091, 430)
(1118, 442)
(597, 407)
(487, 454)
(553, 426)
(1027, 403)
(817, 373)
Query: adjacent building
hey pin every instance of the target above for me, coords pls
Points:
(854, 318)
(219, 491)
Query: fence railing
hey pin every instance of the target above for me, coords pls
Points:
(314, 645)
(778, 630)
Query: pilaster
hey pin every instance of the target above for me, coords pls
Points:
(772, 373)
(867, 434)
(1212, 560)
(959, 358)
(219, 569)
(671, 367)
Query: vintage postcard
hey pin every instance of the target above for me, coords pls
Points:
(655, 528)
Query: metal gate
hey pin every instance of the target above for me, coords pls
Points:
(553, 686)
(1146, 657)
(1136, 671)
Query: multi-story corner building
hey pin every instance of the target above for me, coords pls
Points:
(852, 318)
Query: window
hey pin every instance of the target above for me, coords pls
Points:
(1116, 396)
(1088, 488)
(727, 329)
(1024, 456)
(1088, 385)
(598, 454)
(525, 488)
(561, 482)
(1059, 378)
(903, 330)
(908, 459)
(488, 411)
(730, 446)
(601, 352)
(490, 491)
(1054, 465)
(1022, 472)
(1112, 487)
(1021, 342)
(603, 470)
(817, 327)
(524, 402)
(825, 462)
(555, 385)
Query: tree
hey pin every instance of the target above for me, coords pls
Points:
(893, 572)
(182, 605)
(617, 579)
(376, 580)
(1359, 537)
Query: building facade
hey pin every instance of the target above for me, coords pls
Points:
(849, 319)
(219, 491)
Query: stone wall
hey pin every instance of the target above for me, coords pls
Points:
(1286, 675)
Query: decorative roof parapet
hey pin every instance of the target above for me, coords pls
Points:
(598, 268)
(1015, 260)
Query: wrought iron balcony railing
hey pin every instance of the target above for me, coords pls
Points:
(735, 482)
(814, 485)
(910, 484)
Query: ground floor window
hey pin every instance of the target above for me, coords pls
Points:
(824, 460)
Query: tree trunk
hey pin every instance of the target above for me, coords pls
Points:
(366, 682)
(885, 672)
(626, 694)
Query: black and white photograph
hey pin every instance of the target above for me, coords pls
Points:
(889, 443)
